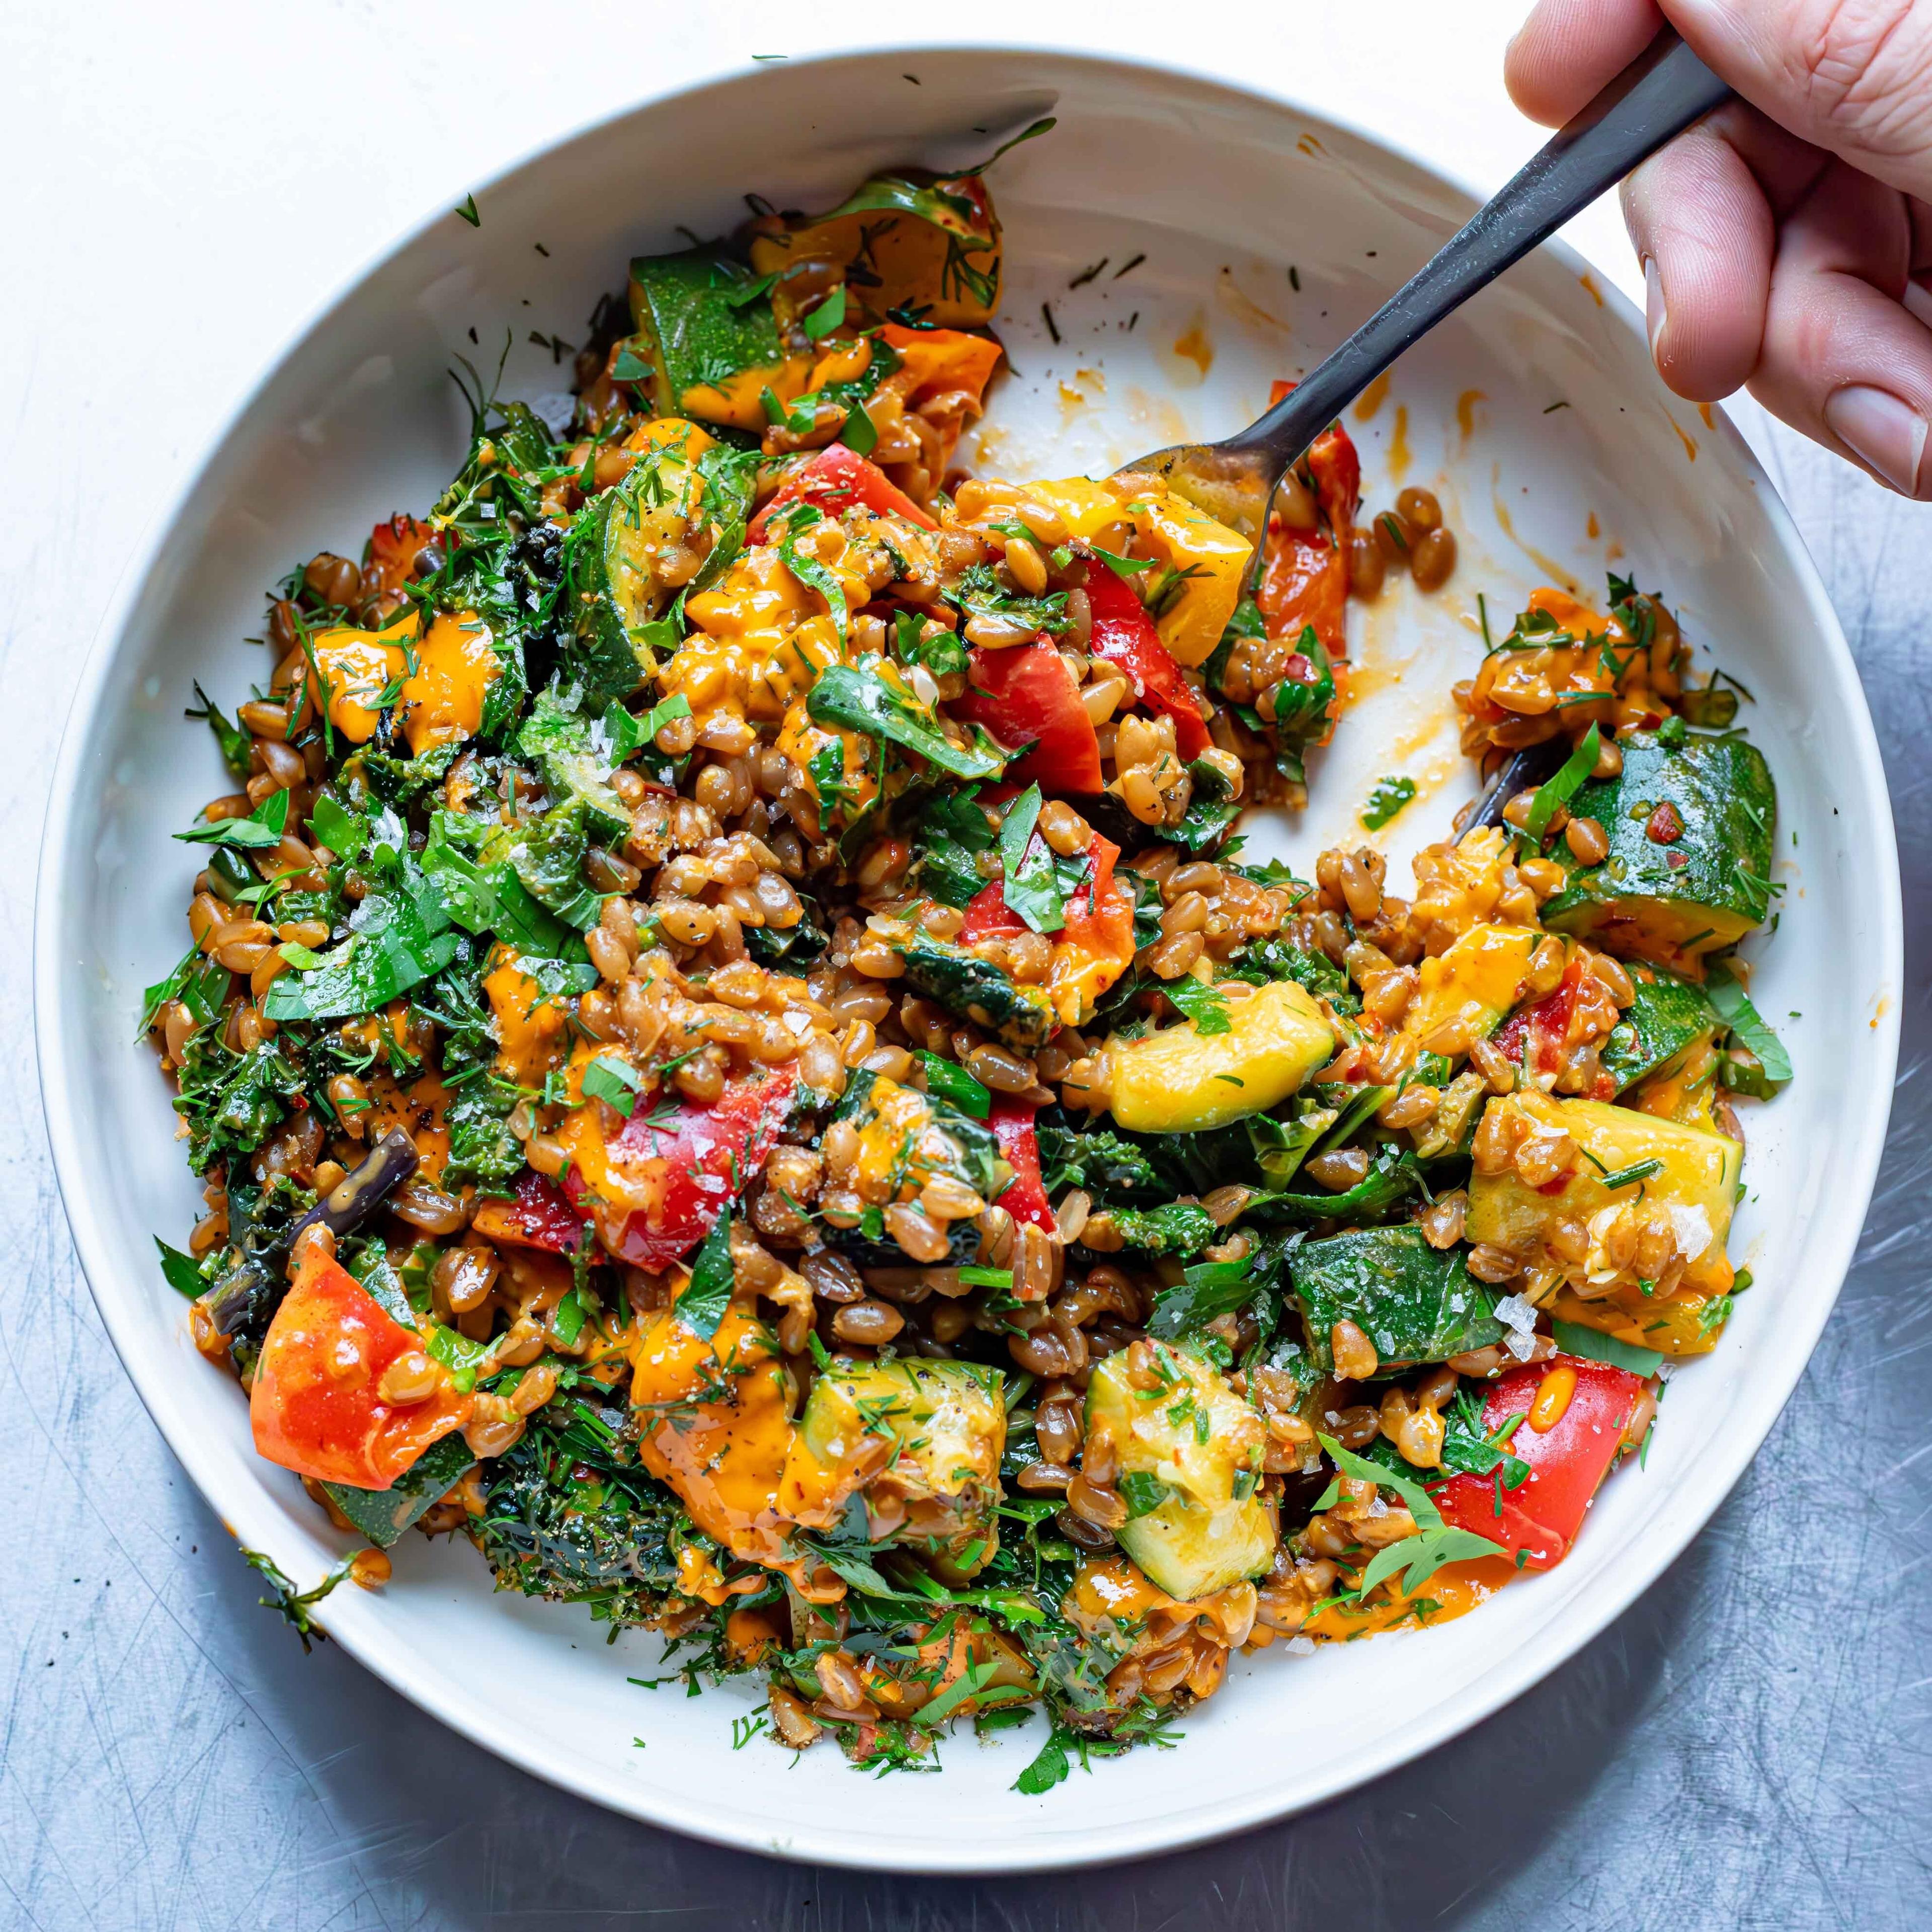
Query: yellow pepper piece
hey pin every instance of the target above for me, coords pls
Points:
(1179, 1081)
(1190, 541)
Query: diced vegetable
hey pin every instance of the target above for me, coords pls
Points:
(1181, 1080)
(1205, 564)
(1685, 1180)
(616, 588)
(1124, 635)
(930, 245)
(944, 1425)
(1027, 696)
(1474, 983)
(688, 1159)
(1025, 1196)
(317, 1405)
(538, 1215)
(1415, 1303)
(975, 989)
(1568, 1460)
(1688, 872)
(1669, 1016)
(712, 346)
(836, 479)
(1190, 1452)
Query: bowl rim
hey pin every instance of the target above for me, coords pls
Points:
(1680, 1515)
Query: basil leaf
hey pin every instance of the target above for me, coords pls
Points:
(857, 696)
(702, 1306)
(1049, 1768)
(1128, 568)
(860, 434)
(953, 1083)
(953, 830)
(1748, 1029)
(397, 939)
(816, 575)
(1561, 789)
(1386, 798)
(1573, 1338)
(236, 746)
(340, 831)
(181, 1272)
(1204, 1004)
(261, 831)
(827, 316)
(1031, 888)
(613, 1082)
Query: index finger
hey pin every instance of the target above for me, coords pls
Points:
(1567, 49)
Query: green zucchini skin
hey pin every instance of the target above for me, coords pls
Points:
(975, 989)
(693, 337)
(1416, 1304)
(1696, 894)
(1668, 1016)
(383, 1515)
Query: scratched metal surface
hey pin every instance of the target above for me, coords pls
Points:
(1745, 1748)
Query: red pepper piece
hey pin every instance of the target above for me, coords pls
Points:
(1123, 634)
(1568, 1464)
(838, 479)
(1305, 574)
(1026, 695)
(1024, 1198)
(316, 1405)
(539, 1215)
(692, 1167)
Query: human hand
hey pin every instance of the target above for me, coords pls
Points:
(1786, 240)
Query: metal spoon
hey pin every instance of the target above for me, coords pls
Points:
(1661, 93)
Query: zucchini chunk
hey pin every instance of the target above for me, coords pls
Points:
(1189, 1453)
(615, 585)
(712, 353)
(1688, 872)
(975, 989)
(1680, 1208)
(946, 1422)
(1668, 1019)
(1468, 989)
(909, 240)
(1181, 1081)
(1416, 1304)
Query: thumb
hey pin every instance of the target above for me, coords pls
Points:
(1851, 76)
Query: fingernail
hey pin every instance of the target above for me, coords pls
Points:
(1881, 431)
(1918, 301)
(1654, 315)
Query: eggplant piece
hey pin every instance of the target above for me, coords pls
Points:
(1534, 765)
(244, 1299)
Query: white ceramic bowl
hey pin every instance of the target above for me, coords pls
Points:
(1222, 191)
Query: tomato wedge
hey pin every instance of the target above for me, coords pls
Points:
(688, 1169)
(1540, 1517)
(1024, 1198)
(315, 1406)
(1026, 695)
(838, 479)
(539, 1215)
(1124, 634)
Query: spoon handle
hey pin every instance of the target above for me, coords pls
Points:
(1661, 93)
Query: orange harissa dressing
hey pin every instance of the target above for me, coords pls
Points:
(1455, 1590)
(727, 1444)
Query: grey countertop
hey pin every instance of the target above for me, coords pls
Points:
(1747, 1747)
